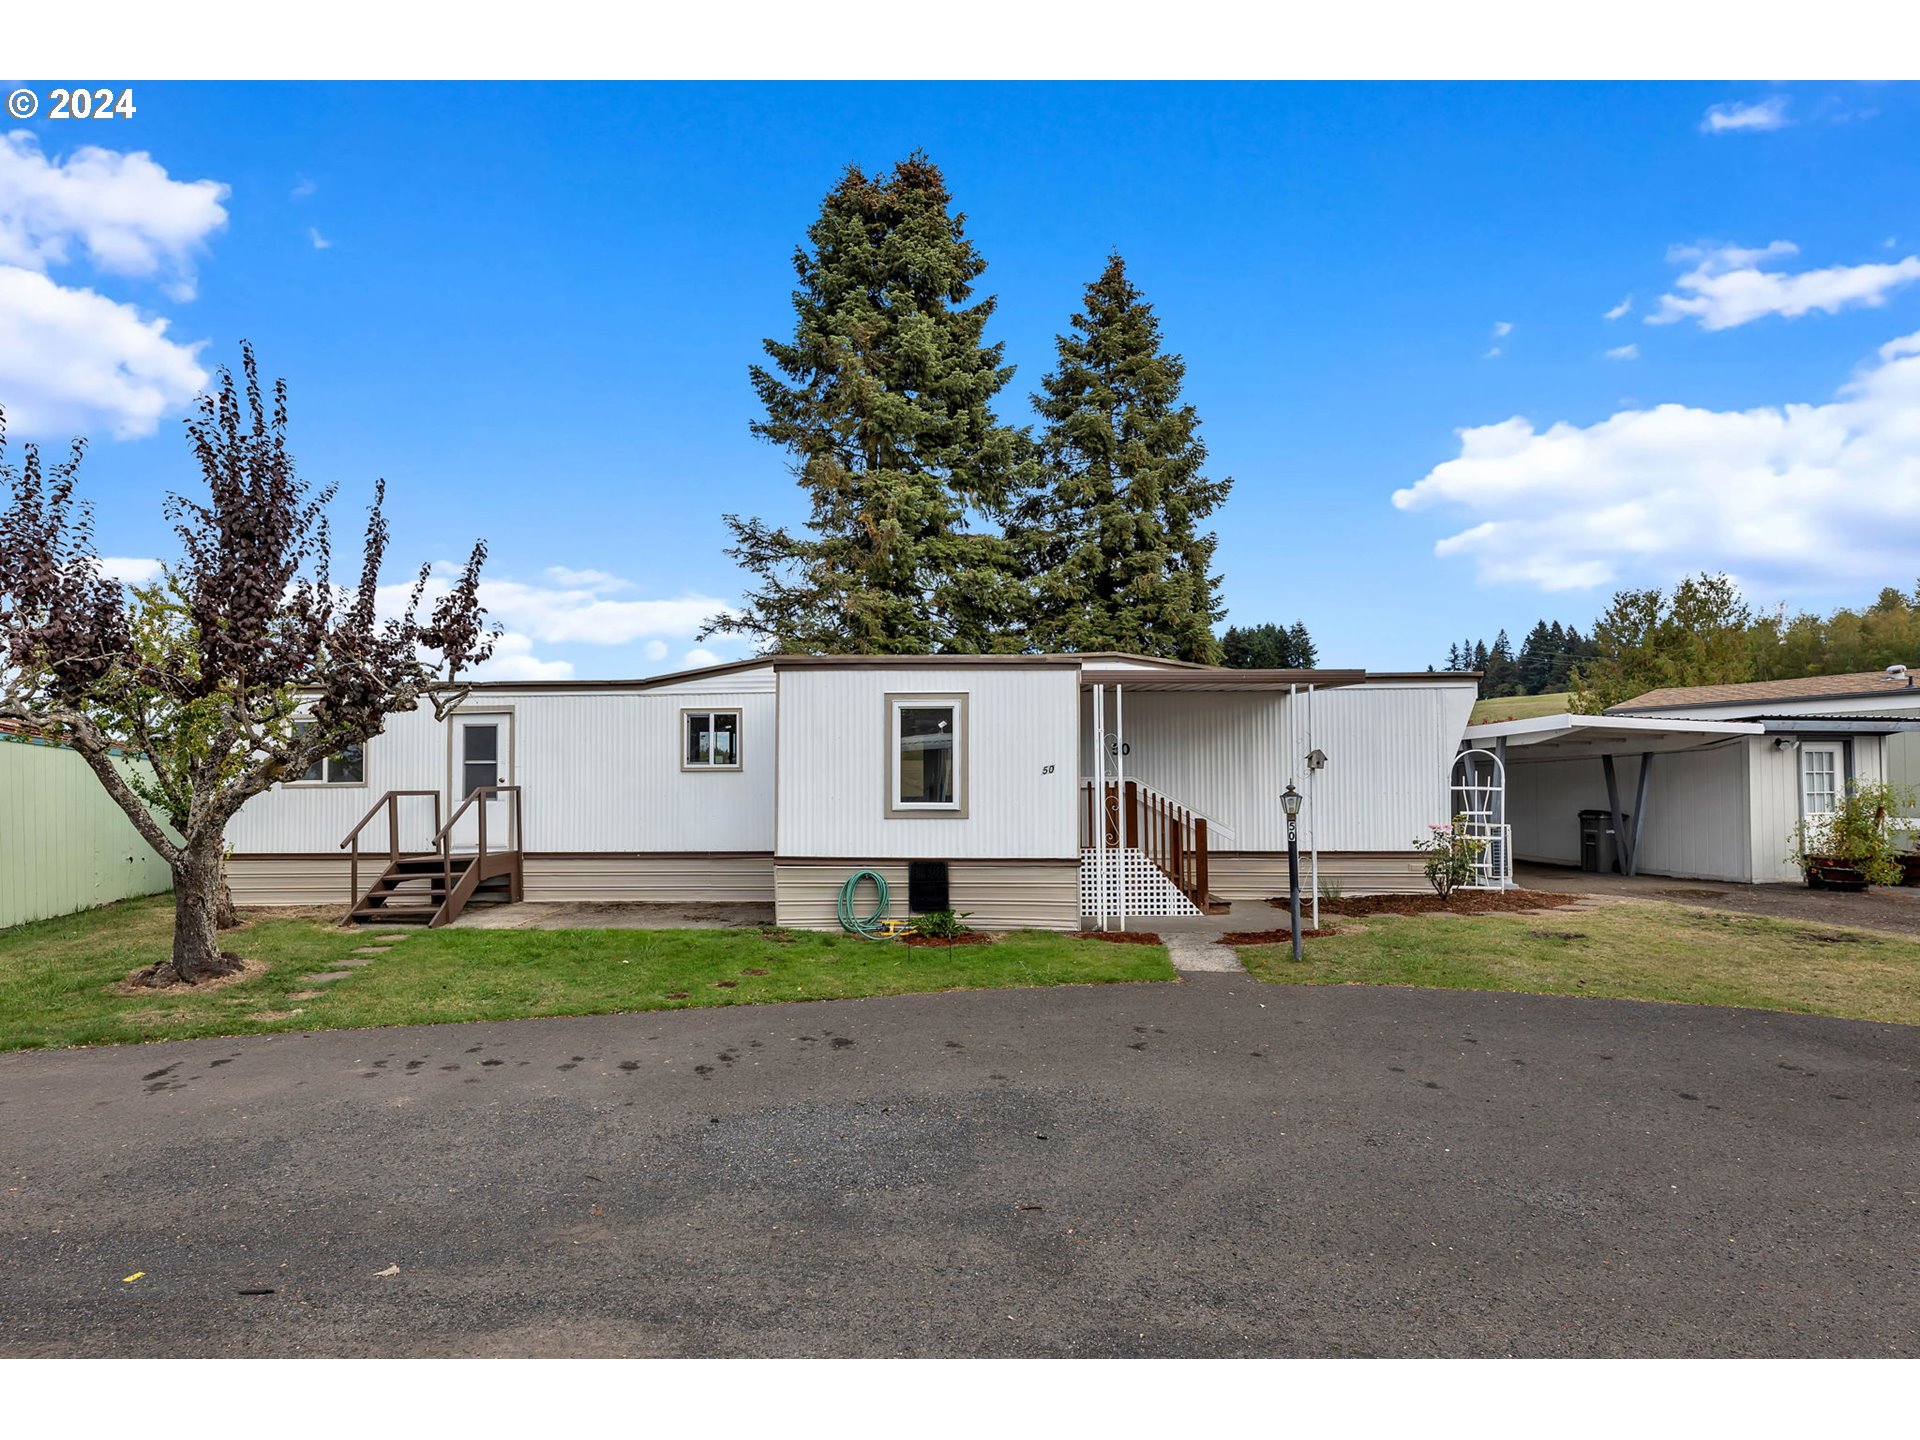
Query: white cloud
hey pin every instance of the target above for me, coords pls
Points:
(1624, 352)
(597, 581)
(1790, 496)
(1493, 354)
(697, 657)
(513, 659)
(128, 214)
(1727, 286)
(1502, 328)
(130, 569)
(71, 358)
(1767, 114)
(302, 188)
(654, 650)
(1617, 311)
(320, 242)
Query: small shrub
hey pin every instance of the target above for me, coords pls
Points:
(1451, 856)
(940, 925)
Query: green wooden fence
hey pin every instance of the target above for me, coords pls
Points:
(64, 845)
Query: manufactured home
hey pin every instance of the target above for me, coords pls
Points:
(1023, 791)
(1704, 782)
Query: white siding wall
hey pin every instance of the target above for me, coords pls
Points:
(1228, 756)
(599, 770)
(1390, 749)
(834, 755)
(1696, 823)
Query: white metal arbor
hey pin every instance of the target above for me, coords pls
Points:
(1479, 798)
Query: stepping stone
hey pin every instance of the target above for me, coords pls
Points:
(353, 962)
(328, 978)
(304, 995)
(390, 937)
(371, 950)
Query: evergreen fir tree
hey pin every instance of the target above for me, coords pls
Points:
(1268, 647)
(1304, 655)
(1112, 536)
(883, 398)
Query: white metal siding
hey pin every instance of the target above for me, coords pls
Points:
(1251, 878)
(1229, 755)
(834, 744)
(599, 771)
(1695, 825)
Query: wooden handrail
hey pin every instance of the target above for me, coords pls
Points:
(1169, 834)
(390, 802)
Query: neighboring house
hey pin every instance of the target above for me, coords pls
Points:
(776, 779)
(1704, 782)
(64, 844)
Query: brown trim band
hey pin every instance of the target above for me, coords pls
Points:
(367, 857)
(906, 859)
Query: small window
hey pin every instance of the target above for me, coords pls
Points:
(1819, 779)
(349, 767)
(926, 754)
(710, 740)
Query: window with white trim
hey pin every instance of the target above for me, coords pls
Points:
(926, 754)
(349, 767)
(709, 739)
(1819, 779)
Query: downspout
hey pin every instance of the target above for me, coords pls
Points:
(1120, 790)
(1099, 801)
(1313, 827)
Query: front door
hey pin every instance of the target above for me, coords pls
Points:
(482, 756)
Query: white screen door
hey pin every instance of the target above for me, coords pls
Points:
(482, 755)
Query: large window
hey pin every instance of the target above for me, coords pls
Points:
(710, 740)
(349, 767)
(1819, 779)
(927, 757)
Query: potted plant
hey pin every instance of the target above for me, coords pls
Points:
(1852, 846)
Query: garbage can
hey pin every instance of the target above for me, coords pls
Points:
(1599, 846)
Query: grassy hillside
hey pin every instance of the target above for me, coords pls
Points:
(1520, 707)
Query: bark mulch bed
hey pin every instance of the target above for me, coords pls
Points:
(1119, 937)
(924, 942)
(1461, 902)
(1269, 937)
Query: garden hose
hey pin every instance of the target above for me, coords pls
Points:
(874, 925)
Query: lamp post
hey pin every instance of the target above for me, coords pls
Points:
(1290, 802)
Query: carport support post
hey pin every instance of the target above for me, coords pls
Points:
(1639, 812)
(1622, 846)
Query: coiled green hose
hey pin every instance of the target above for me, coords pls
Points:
(848, 893)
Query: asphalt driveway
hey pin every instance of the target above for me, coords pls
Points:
(1213, 1167)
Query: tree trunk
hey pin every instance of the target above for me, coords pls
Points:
(199, 889)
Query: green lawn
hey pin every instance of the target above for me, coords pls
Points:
(1520, 707)
(59, 979)
(1637, 950)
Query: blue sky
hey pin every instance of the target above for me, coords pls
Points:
(532, 307)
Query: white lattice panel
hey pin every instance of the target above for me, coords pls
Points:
(1148, 892)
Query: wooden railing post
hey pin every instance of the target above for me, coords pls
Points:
(1200, 862)
(1132, 827)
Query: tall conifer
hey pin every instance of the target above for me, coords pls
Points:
(884, 400)
(1112, 538)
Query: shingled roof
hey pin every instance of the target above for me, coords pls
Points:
(1861, 684)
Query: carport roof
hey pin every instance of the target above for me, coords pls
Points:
(1562, 736)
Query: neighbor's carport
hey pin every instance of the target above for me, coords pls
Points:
(1543, 787)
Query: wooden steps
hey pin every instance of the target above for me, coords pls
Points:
(430, 888)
